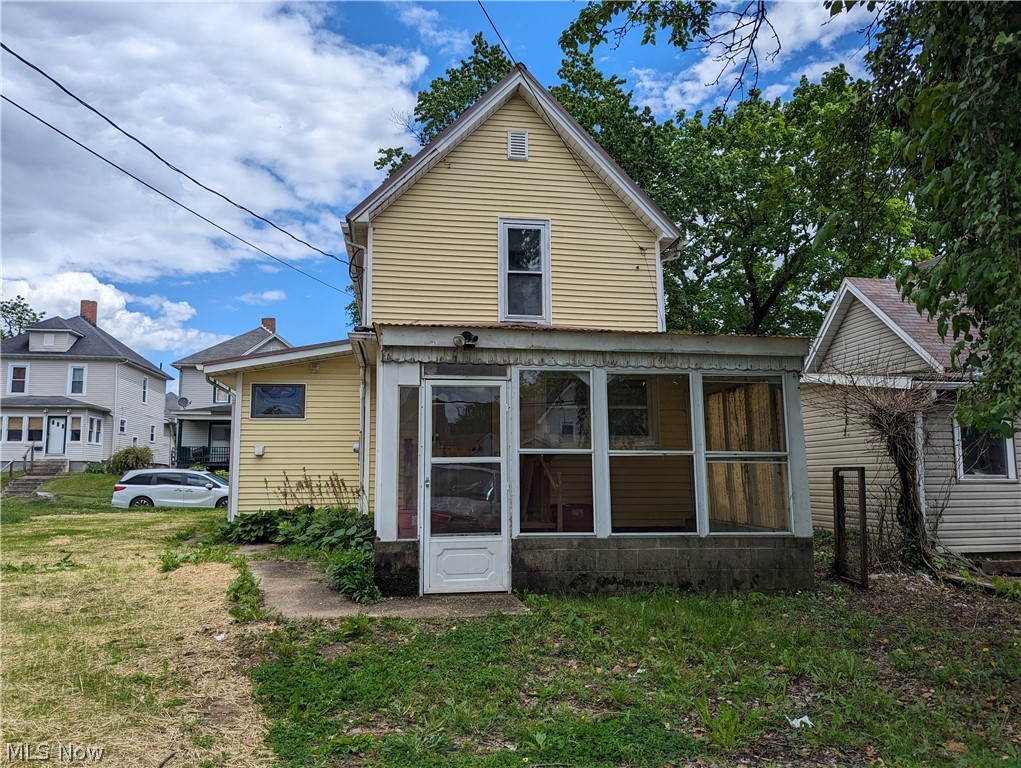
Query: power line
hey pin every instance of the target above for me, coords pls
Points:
(168, 197)
(165, 162)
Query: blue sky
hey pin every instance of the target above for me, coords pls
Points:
(281, 107)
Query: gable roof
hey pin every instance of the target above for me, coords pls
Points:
(245, 344)
(93, 343)
(520, 82)
(883, 299)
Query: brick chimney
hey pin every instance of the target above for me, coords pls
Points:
(90, 310)
(270, 324)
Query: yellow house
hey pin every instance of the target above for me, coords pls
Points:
(512, 412)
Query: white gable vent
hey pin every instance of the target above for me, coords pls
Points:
(517, 145)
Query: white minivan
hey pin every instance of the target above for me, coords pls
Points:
(170, 488)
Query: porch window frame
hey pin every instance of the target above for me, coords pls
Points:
(701, 520)
(10, 379)
(963, 477)
(735, 457)
(21, 429)
(514, 459)
(71, 430)
(95, 431)
(70, 378)
(545, 225)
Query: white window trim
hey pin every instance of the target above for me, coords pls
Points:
(145, 389)
(217, 394)
(122, 426)
(644, 444)
(81, 429)
(85, 378)
(94, 435)
(10, 378)
(1010, 477)
(152, 433)
(547, 285)
(24, 428)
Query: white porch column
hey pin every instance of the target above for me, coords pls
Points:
(389, 378)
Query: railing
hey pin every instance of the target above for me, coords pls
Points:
(207, 455)
(27, 461)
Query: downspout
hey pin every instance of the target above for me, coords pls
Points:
(363, 464)
(114, 427)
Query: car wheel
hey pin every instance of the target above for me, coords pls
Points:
(141, 501)
(222, 503)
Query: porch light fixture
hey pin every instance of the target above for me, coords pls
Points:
(466, 339)
(260, 450)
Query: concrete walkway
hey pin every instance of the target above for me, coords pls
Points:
(297, 590)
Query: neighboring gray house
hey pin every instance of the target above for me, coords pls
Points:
(204, 410)
(968, 479)
(72, 392)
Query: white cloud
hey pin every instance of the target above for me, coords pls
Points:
(164, 329)
(255, 100)
(263, 297)
(450, 42)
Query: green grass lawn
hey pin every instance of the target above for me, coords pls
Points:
(78, 494)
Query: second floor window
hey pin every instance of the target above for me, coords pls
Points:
(19, 379)
(76, 384)
(122, 426)
(152, 433)
(145, 389)
(525, 271)
(219, 396)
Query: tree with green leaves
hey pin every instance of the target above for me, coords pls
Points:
(780, 201)
(16, 315)
(447, 97)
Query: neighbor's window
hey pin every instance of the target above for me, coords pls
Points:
(746, 454)
(15, 429)
(122, 426)
(407, 463)
(555, 467)
(219, 396)
(35, 428)
(76, 383)
(76, 429)
(18, 381)
(984, 454)
(652, 460)
(278, 401)
(145, 389)
(525, 270)
(152, 433)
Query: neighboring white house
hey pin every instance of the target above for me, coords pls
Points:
(204, 411)
(968, 479)
(71, 391)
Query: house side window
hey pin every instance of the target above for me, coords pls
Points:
(15, 429)
(219, 396)
(525, 271)
(145, 389)
(122, 426)
(984, 455)
(152, 433)
(48, 339)
(18, 380)
(278, 401)
(76, 429)
(746, 454)
(76, 380)
(95, 430)
(35, 428)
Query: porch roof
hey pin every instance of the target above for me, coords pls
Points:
(36, 402)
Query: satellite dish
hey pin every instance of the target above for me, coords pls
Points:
(183, 402)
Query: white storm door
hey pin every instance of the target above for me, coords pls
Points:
(466, 538)
(56, 435)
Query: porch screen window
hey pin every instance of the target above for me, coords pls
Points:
(984, 454)
(524, 260)
(407, 463)
(76, 429)
(746, 454)
(278, 401)
(652, 463)
(554, 409)
(15, 427)
(77, 380)
(35, 428)
(19, 379)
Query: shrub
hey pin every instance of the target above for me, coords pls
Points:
(326, 528)
(96, 468)
(251, 528)
(351, 572)
(130, 458)
(223, 474)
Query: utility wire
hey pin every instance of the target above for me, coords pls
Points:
(165, 195)
(159, 157)
(574, 155)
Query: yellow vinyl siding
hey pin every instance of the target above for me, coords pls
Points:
(318, 445)
(652, 492)
(435, 251)
(864, 344)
